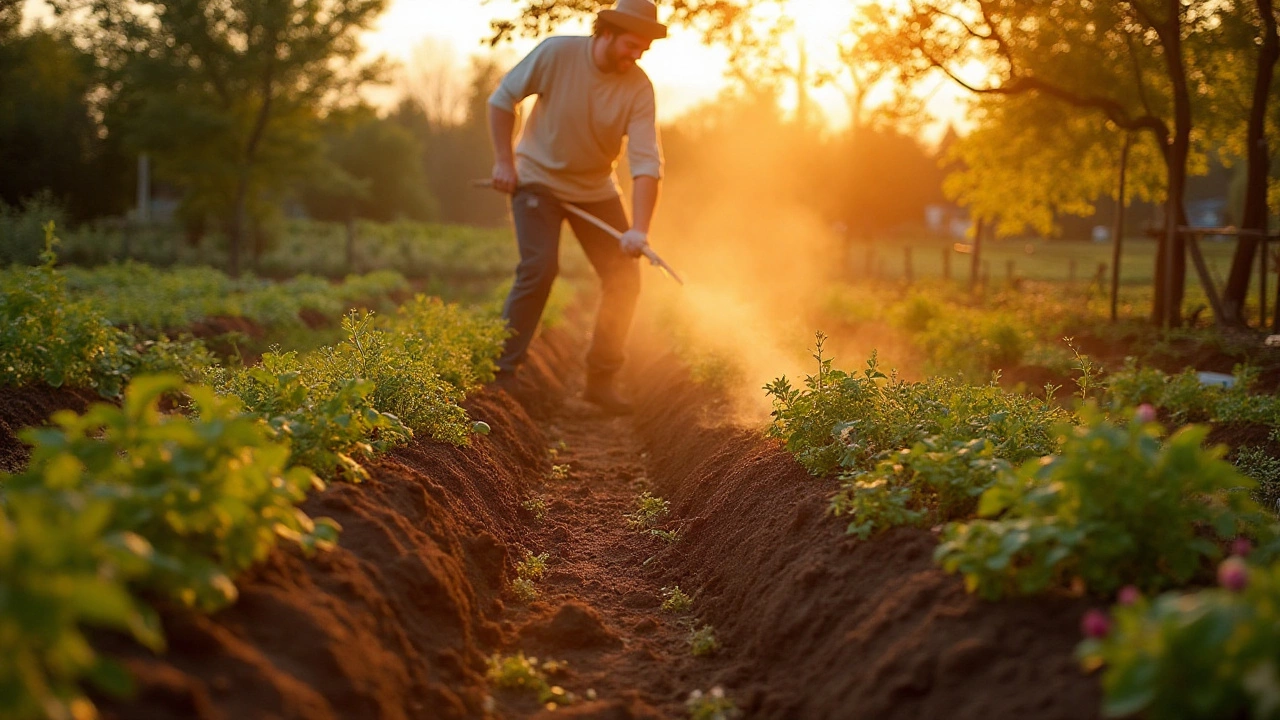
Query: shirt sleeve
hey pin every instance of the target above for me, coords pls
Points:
(644, 150)
(521, 81)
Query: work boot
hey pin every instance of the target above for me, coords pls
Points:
(505, 380)
(600, 392)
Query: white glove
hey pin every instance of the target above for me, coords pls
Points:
(633, 242)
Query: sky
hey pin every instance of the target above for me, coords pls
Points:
(444, 34)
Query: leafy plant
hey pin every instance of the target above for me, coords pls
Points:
(1264, 469)
(675, 600)
(528, 572)
(713, 705)
(517, 672)
(64, 570)
(536, 506)
(649, 509)
(47, 336)
(1206, 654)
(1117, 506)
(330, 427)
(210, 493)
(702, 641)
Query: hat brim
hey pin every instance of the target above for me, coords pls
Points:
(631, 23)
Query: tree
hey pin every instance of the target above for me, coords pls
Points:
(375, 173)
(228, 95)
(1124, 60)
(49, 139)
(1238, 58)
(1027, 163)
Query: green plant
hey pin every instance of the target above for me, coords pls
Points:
(210, 493)
(536, 506)
(702, 641)
(1088, 381)
(713, 705)
(63, 570)
(528, 572)
(1206, 654)
(1116, 506)
(649, 509)
(670, 537)
(330, 427)
(1264, 469)
(517, 672)
(675, 600)
(558, 472)
(47, 336)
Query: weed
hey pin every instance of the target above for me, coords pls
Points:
(536, 506)
(1088, 382)
(649, 510)
(671, 537)
(528, 572)
(675, 600)
(714, 705)
(559, 472)
(1257, 464)
(517, 672)
(702, 641)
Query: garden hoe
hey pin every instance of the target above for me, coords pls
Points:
(648, 252)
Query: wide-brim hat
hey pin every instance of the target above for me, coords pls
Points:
(636, 16)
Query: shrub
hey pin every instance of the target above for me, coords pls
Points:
(1117, 506)
(1208, 654)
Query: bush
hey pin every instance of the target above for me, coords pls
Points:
(1117, 506)
(1209, 654)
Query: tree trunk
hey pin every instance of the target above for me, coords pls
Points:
(1171, 269)
(1254, 219)
(1119, 229)
(235, 229)
(976, 261)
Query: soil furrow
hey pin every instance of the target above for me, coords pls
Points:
(600, 604)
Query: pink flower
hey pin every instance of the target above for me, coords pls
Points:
(1241, 547)
(1128, 595)
(1095, 624)
(1145, 413)
(1233, 574)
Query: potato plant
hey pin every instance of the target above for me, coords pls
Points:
(1118, 505)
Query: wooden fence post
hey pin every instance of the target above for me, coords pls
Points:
(907, 270)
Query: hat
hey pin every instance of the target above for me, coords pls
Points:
(636, 16)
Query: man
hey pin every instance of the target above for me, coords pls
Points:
(590, 94)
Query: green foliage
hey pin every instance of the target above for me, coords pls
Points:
(47, 336)
(517, 672)
(649, 509)
(1186, 399)
(150, 299)
(329, 427)
(675, 600)
(64, 569)
(528, 572)
(907, 453)
(1116, 506)
(713, 705)
(1201, 655)
(702, 641)
(1264, 469)
(210, 493)
(536, 506)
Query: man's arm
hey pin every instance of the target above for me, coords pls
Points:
(502, 128)
(644, 199)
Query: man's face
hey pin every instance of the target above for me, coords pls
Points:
(625, 49)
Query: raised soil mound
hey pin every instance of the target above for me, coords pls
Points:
(821, 625)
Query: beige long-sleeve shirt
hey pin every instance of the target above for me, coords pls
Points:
(573, 137)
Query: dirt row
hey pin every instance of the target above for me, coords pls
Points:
(398, 621)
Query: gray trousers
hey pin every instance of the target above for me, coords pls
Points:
(538, 218)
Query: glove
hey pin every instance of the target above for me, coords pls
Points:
(633, 242)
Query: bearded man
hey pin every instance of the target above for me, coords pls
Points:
(590, 95)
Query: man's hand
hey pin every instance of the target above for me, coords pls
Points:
(504, 177)
(633, 242)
